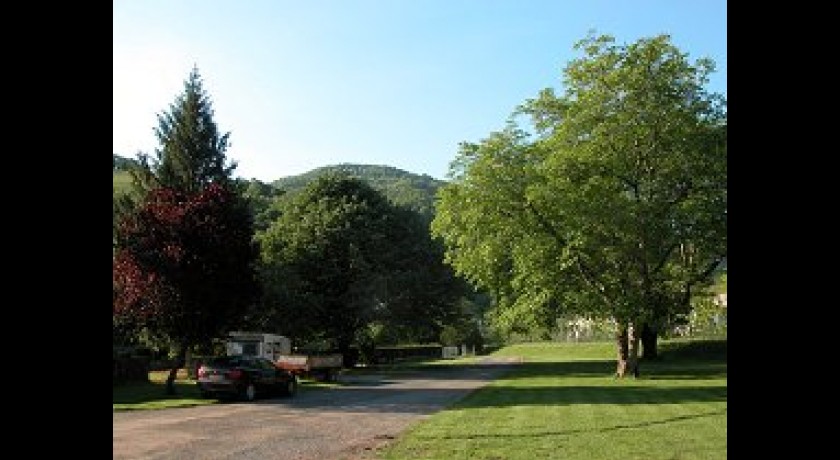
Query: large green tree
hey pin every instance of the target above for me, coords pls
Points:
(342, 262)
(184, 255)
(323, 261)
(423, 292)
(614, 208)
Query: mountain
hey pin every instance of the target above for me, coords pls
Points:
(401, 187)
(122, 179)
(122, 163)
(416, 191)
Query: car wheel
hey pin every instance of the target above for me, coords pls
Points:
(291, 387)
(249, 393)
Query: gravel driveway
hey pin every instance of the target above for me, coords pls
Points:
(346, 422)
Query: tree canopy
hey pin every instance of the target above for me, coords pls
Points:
(184, 264)
(341, 258)
(611, 204)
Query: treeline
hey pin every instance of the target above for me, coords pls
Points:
(331, 259)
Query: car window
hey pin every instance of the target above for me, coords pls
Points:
(266, 364)
(224, 361)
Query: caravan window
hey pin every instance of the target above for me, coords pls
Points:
(249, 348)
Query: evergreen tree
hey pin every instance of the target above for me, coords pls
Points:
(184, 255)
(191, 154)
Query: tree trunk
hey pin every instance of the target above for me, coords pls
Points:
(633, 333)
(180, 360)
(627, 339)
(649, 342)
(349, 355)
(621, 343)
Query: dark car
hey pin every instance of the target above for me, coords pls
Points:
(244, 377)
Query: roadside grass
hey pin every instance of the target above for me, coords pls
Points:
(152, 394)
(563, 402)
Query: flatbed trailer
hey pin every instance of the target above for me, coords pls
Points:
(320, 367)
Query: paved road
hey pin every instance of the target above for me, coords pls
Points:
(346, 422)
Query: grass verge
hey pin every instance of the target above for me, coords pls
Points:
(564, 403)
(152, 394)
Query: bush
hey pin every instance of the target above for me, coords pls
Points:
(130, 369)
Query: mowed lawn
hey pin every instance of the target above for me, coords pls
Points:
(563, 403)
(152, 394)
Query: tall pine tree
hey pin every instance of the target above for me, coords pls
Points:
(184, 257)
(191, 154)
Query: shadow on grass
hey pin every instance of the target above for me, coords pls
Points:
(707, 350)
(387, 392)
(401, 396)
(428, 400)
(569, 395)
(149, 392)
(688, 371)
(678, 360)
(656, 370)
(607, 429)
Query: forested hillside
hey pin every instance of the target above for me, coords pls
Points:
(122, 163)
(122, 179)
(415, 191)
(401, 187)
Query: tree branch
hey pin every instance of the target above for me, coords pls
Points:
(551, 229)
(708, 270)
(665, 257)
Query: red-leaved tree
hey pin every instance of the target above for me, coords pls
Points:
(185, 265)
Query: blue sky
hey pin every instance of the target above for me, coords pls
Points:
(389, 82)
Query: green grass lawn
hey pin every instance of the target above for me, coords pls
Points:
(563, 403)
(152, 394)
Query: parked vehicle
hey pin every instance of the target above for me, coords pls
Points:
(245, 377)
(278, 349)
(268, 346)
(322, 367)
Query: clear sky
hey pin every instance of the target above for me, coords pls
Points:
(304, 84)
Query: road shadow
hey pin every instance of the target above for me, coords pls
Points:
(390, 397)
(462, 371)
(437, 387)
(400, 400)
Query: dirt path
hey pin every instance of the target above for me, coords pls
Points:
(346, 422)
